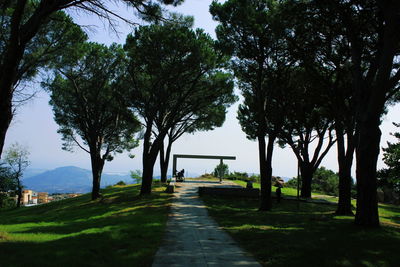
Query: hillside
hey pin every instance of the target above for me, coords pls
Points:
(70, 179)
(120, 230)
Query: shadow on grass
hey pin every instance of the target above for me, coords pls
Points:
(120, 230)
(310, 235)
(390, 212)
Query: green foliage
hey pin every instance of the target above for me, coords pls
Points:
(15, 162)
(292, 183)
(176, 87)
(237, 176)
(136, 175)
(7, 182)
(121, 183)
(57, 37)
(16, 158)
(173, 81)
(119, 230)
(87, 103)
(250, 32)
(326, 182)
(243, 176)
(8, 186)
(221, 170)
(389, 178)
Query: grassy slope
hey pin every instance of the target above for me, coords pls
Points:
(310, 235)
(120, 230)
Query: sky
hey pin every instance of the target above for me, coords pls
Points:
(34, 126)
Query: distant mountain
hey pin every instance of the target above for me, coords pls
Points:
(70, 179)
(32, 172)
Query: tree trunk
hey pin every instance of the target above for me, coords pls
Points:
(166, 157)
(149, 159)
(367, 152)
(345, 161)
(150, 153)
(19, 196)
(270, 150)
(97, 169)
(5, 118)
(162, 164)
(13, 54)
(265, 175)
(306, 179)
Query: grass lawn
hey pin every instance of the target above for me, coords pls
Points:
(121, 230)
(389, 214)
(309, 236)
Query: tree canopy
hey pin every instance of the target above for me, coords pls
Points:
(252, 34)
(174, 84)
(88, 106)
(27, 26)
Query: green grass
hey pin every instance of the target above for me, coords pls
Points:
(120, 230)
(389, 214)
(309, 236)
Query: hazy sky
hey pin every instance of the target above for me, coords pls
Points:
(35, 128)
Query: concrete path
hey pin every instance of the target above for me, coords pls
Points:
(193, 238)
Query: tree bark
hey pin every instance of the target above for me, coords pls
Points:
(6, 116)
(306, 178)
(345, 161)
(19, 193)
(265, 175)
(164, 162)
(150, 153)
(367, 152)
(372, 100)
(97, 169)
(163, 168)
(149, 159)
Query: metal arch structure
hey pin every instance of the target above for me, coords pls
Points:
(177, 156)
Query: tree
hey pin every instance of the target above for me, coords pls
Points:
(308, 123)
(326, 181)
(7, 184)
(87, 104)
(16, 159)
(253, 35)
(205, 119)
(370, 28)
(317, 41)
(26, 24)
(172, 83)
(221, 170)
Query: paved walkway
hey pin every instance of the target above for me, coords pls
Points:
(193, 238)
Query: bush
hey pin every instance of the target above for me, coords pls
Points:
(292, 183)
(207, 176)
(7, 201)
(121, 183)
(325, 181)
